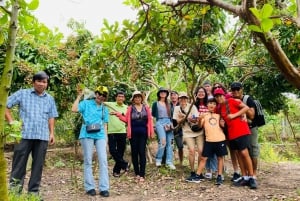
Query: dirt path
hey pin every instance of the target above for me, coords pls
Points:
(62, 180)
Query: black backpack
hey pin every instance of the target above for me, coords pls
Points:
(259, 118)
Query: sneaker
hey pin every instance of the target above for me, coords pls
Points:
(241, 182)
(235, 176)
(238, 179)
(189, 179)
(208, 175)
(158, 164)
(104, 193)
(91, 192)
(252, 183)
(171, 167)
(197, 178)
(219, 180)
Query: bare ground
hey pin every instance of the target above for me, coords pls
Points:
(62, 180)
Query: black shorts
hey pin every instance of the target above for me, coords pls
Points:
(240, 143)
(212, 148)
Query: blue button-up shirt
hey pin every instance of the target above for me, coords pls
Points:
(93, 113)
(35, 112)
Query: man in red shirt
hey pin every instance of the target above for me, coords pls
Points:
(233, 112)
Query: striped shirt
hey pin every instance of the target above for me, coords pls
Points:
(35, 112)
(93, 113)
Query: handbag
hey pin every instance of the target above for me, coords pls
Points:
(93, 128)
(195, 127)
(168, 127)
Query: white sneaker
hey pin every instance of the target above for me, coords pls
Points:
(208, 175)
(158, 164)
(171, 166)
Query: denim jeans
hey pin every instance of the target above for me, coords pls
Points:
(168, 136)
(212, 163)
(88, 149)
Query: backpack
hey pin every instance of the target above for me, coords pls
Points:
(259, 117)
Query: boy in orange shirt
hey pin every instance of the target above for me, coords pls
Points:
(214, 141)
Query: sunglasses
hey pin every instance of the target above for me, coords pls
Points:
(104, 95)
(218, 87)
(235, 89)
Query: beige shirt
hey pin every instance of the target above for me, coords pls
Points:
(186, 130)
(213, 131)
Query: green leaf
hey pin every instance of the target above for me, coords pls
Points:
(3, 19)
(255, 28)
(1, 38)
(33, 5)
(266, 25)
(266, 11)
(255, 12)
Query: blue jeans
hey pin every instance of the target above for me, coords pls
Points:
(212, 163)
(168, 137)
(88, 149)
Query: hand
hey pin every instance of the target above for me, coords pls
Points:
(51, 139)
(230, 116)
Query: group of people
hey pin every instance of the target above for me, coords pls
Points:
(215, 120)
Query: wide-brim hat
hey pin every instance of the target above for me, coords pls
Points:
(161, 89)
(137, 93)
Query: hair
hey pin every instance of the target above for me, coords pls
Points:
(41, 75)
(221, 85)
(120, 93)
(198, 101)
(210, 100)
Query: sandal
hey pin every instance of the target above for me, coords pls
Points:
(115, 174)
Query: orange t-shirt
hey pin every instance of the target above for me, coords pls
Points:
(213, 131)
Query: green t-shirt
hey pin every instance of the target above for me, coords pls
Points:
(115, 125)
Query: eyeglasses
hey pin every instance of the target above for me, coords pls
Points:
(235, 89)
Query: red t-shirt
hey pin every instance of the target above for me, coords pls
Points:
(238, 126)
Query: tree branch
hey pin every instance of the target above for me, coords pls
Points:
(5, 10)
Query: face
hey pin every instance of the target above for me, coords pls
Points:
(220, 98)
(207, 88)
(237, 92)
(201, 93)
(211, 106)
(137, 99)
(163, 94)
(40, 86)
(120, 99)
(183, 101)
(100, 97)
(174, 97)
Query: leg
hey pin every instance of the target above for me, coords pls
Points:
(112, 145)
(21, 153)
(134, 153)
(179, 144)
(161, 141)
(191, 147)
(87, 147)
(169, 148)
(39, 151)
(254, 149)
(103, 166)
(142, 153)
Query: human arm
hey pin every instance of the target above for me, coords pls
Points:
(8, 116)
(51, 123)
(251, 112)
(76, 102)
(242, 110)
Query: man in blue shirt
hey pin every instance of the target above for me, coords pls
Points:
(37, 112)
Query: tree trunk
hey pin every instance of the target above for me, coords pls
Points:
(5, 84)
